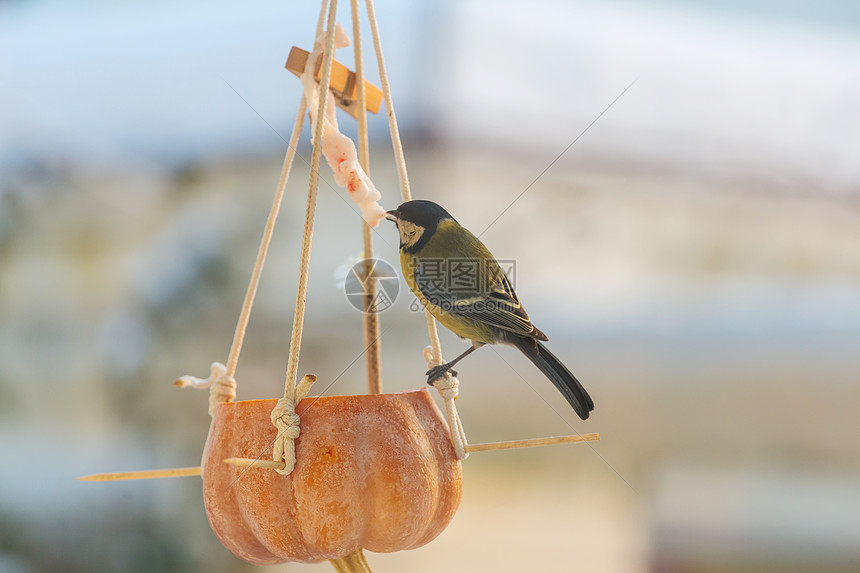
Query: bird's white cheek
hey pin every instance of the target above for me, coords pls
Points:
(409, 233)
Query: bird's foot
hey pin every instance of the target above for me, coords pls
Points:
(439, 372)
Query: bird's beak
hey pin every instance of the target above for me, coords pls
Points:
(391, 216)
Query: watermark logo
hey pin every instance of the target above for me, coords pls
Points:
(463, 285)
(363, 276)
(457, 285)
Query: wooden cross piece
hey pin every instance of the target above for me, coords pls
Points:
(343, 83)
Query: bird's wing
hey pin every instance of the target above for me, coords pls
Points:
(474, 287)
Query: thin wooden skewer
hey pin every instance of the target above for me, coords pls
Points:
(248, 462)
(145, 474)
(269, 464)
(533, 443)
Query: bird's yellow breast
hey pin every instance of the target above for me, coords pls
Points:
(459, 325)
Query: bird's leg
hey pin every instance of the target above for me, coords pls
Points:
(439, 371)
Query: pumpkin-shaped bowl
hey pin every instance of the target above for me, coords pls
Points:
(375, 472)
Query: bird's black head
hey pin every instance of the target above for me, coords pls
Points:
(417, 221)
(421, 212)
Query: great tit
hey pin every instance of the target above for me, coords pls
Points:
(460, 282)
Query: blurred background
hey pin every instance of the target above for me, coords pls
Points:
(693, 257)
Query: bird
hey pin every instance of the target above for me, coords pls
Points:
(463, 286)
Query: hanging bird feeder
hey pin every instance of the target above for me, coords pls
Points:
(308, 479)
(374, 472)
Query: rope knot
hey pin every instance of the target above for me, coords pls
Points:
(288, 423)
(430, 358)
(284, 418)
(221, 386)
(448, 387)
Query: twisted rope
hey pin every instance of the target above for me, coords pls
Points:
(284, 411)
(447, 386)
(222, 388)
(371, 319)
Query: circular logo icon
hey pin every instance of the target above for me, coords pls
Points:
(373, 278)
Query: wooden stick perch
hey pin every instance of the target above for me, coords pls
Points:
(145, 474)
(269, 464)
(533, 443)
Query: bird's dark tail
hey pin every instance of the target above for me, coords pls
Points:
(558, 374)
